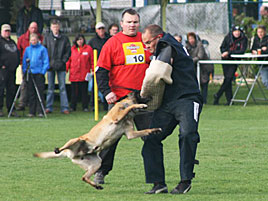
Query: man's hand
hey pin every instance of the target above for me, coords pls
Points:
(264, 48)
(225, 54)
(254, 52)
(110, 98)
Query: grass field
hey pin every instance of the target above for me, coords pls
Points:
(232, 153)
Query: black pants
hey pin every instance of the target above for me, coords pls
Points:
(34, 103)
(228, 72)
(185, 113)
(204, 91)
(142, 121)
(7, 82)
(77, 87)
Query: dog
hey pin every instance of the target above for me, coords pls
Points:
(84, 150)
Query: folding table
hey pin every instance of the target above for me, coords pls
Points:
(248, 64)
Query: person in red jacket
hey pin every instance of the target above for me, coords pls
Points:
(23, 42)
(80, 64)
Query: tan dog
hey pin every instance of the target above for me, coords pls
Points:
(84, 150)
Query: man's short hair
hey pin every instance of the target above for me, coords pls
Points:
(130, 11)
(55, 21)
(153, 29)
(261, 27)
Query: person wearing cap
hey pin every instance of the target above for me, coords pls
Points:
(234, 42)
(9, 61)
(122, 64)
(101, 37)
(97, 43)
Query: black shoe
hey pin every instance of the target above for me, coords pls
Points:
(216, 99)
(182, 188)
(99, 178)
(158, 188)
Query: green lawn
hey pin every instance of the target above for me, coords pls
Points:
(232, 154)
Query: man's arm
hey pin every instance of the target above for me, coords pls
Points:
(102, 76)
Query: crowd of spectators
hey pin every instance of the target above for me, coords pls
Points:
(78, 61)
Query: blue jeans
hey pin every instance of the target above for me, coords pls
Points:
(50, 91)
(264, 76)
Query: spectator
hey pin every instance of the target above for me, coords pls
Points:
(29, 13)
(233, 43)
(113, 29)
(197, 52)
(80, 65)
(59, 51)
(178, 38)
(264, 11)
(260, 44)
(101, 37)
(39, 64)
(118, 70)
(9, 61)
(181, 105)
(97, 43)
(23, 42)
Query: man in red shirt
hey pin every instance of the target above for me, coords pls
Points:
(23, 42)
(122, 64)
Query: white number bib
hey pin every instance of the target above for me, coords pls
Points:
(134, 53)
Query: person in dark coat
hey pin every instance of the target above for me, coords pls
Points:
(181, 105)
(196, 50)
(260, 46)
(27, 14)
(97, 43)
(9, 61)
(59, 51)
(234, 42)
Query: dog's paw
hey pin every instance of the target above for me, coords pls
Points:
(99, 187)
(156, 131)
(143, 106)
(57, 150)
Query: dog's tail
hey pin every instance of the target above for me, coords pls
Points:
(49, 155)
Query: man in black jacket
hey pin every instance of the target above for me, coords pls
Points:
(9, 61)
(233, 43)
(97, 43)
(59, 51)
(181, 105)
(27, 14)
(260, 46)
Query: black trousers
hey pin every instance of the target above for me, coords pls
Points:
(34, 103)
(228, 72)
(77, 87)
(185, 113)
(7, 83)
(142, 121)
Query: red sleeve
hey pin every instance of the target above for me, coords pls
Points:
(20, 49)
(105, 58)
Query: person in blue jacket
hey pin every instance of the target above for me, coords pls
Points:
(37, 57)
